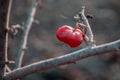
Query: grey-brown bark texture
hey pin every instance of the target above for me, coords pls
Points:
(62, 60)
(3, 15)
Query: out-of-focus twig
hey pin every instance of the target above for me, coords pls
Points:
(6, 37)
(8, 69)
(23, 44)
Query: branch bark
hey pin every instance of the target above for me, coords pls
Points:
(23, 45)
(3, 16)
(82, 21)
(89, 31)
(62, 60)
(6, 37)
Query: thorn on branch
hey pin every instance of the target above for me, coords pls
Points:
(7, 62)
(11, 62)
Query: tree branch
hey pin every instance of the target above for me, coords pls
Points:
(82, 21)
(28, 25)
(88, 28)
(4, 4)
(62, 60)
(6, 37)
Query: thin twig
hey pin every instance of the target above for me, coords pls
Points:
(62, 60)
(28, 25)
(6, 39)
(8, 69)
(88, 28)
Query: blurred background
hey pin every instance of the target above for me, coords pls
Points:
(42, 42)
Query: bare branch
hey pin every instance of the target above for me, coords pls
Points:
(6, 37)
(82, 22)
(88, 28)
(62, 60)
(8, 69)
(28, 25)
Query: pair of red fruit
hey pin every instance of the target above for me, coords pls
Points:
(71, 36)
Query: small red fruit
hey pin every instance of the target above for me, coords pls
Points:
(71, 36)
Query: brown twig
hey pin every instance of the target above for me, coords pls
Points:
(6, 41)
(8, 69)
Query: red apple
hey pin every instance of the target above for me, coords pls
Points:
(71, 36)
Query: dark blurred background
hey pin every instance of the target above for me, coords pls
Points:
(42, 42)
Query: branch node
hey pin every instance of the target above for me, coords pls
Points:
(14, 29)
(24, 49)
(11, 62)
(7, 62)
(7, 30)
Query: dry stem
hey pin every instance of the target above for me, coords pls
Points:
(23, 45)
(6, 41)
